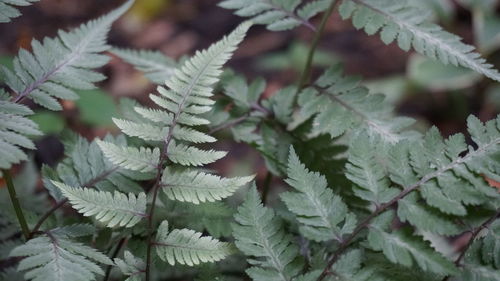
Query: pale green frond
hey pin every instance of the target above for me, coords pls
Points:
(192, 156)
(277, 14)
(85, 165)
(138, 159)
(185, 246)
(426, 218)
(156, 66)
(59, 65)
(131, 266)
(339, 104)
(403, 248)
(56, 258)
(322, 215)
(144, 131)
(14, 131)
(189, 185)
(9, 11)
(260, 235)
(410, 27)
(113, 209)
(448, 173)
(369, 176)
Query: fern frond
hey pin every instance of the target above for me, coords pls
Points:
(193, 186)
(188, 247)
(14, 129)
(363, 169)
(156, 66)
(339, 104)
(277, 15)
(260, 235)
(447, 180)
(403, 248)
(9, 10)
(400, 21)
(59, 65)
(138, 159)
(85, 165)
(113, 209)
(323, 216)
(56, 258)
(131, 266)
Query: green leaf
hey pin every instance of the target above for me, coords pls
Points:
(193, 186)
(323, 216)
(113, 209)
(188, 247)
(403, 248)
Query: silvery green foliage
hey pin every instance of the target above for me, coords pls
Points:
(59, 65)
(410, 27)
(130, 266)
(156, 66)
(113, 209)
(55, 68)
(171, 132)
(260, 235)
(9, 10)
(185, 246)
(56, 256)
(278, 14)
(339, 104)
(15, 128)
(322, 215)
(188, 95)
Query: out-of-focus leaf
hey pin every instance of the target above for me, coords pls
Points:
(393, 87)
(295, 57)
(49, 122)
(437, 76)
(96, 108)
(487, 30)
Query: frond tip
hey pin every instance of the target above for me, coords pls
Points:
(408, 25)
(9, 11)
(113, 209)
(188, 247)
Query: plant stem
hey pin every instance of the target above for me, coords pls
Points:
(266, 187)
(474, 233)
(120, 245)
(306, 73)
(15, 203)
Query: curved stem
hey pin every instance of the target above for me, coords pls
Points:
(306, 73)
(120, 245)
(475, 233)
(15, 203)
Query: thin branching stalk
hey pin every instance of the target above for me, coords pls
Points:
(15, 203)
(306, 73)
(117, 250)
(474, 234)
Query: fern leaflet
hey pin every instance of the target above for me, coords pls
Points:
(9, 11)
(318, 210)
(113, 209)
(259, 234)
(188, 247)
(56, 258)
(155, 66)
